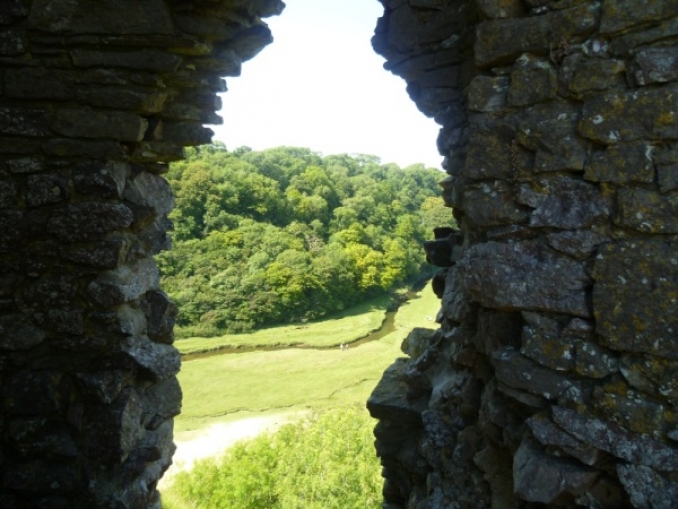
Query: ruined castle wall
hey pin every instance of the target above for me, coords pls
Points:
(553, 378)
(96, 97)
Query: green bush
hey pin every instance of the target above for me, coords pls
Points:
(324, 462)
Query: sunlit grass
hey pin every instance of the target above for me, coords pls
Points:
(346, 327)
(218, 387)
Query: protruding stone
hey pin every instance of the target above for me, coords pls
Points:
(540, 477)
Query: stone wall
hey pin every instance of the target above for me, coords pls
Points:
(96, 97)
(553, 378)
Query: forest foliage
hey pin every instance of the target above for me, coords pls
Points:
(286, 235)
(324, 462)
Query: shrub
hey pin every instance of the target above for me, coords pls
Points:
(326, 461)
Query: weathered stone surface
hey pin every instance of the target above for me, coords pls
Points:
(524, 275)
(619, 15)
(578, 244)
(563, 203)
(106, 180)
(87, 123)
(492, 204)
(488, 156)
(45, 189)
(488, 93)
(540, 477)
(594, 361)
(650, 373)
(519, 372)
(607, 436)
(549, 434)
(646, 488)
(583, 77)
(388, 400)
(111, 17)
(635, 158)
(635, 296)
(158, 361)
(532, 85)
(667, 177)
(35, 392)
(87, 221)
(35, 437)
(110, 445)
(107, 254)
(503, 39)
(17, 333)
(542, 343)
(647, 211)
(656, 65)
(644, 114)
(43, 477)
(23, 122)
(142, 59)
(126, 283)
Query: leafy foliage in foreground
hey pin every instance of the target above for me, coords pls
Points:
(325, 462)
(286, 235)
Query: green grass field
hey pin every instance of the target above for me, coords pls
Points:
(346, 327)
(223, 388)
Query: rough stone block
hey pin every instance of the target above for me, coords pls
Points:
(45, 189)
(549, 434)
(89, 220)
(43, 476)
(635, 296)
(488, 93)
(144, 60)
(186, 133)
(625, 162)
(524, 276)
(107, 254)
(656, 65)
(624, 45)
(583, 77)
(651, 374)
(130, 98)
(96, 17)
(563, 203)
(633, 447)
(103, 150)
(492, 204)
(125, 283)
(388, 400)
(647, 211)
(541, 477)
(9, 195)
(541, 342)
(101, 179)
(489, 154)
(595, 361)
(17, 333)
(619, 15)
(648, 489)
(502, 40)
(29, 83)
(667, 176)
(647, 114)
(87, 123)
(112, 444)
(35, 392)
(41, 437)
(157, 151)
(530, 86)
(519, 372)
(577, 244)
(23, 122)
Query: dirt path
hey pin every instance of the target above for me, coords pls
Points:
(214, 440)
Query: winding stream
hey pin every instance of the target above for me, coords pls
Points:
(387, 326)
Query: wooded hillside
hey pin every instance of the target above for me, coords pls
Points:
(285, 235)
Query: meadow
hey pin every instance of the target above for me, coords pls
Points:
(222, 388)
(323, 459)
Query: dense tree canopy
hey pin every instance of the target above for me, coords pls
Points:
(285, 235)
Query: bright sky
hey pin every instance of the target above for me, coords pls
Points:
(320, 85)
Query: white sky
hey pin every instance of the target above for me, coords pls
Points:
(321, 85)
